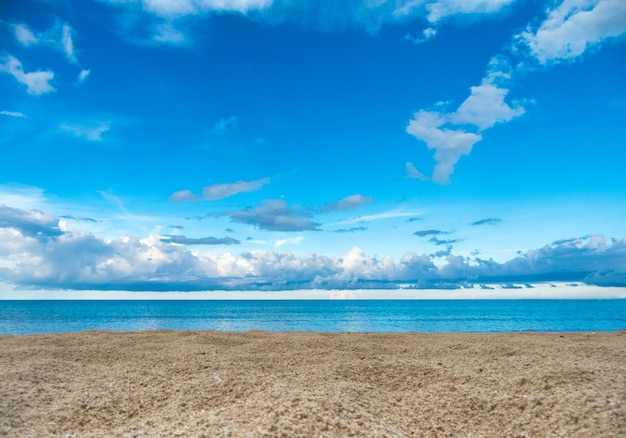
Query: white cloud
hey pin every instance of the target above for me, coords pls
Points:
(175, 8)
(453, 134)
(67, 43)
(292, 241)
(12, 114)
(91, 133)
(37, 82)
(24, 35)
(223, 125)
(36, 249)
(167, 33)
(485, 107)
(449, 144)
(412, 172)
(220, 191)
(573, 27)
(82, 76)
(441, 9)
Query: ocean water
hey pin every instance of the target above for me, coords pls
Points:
(29, 317)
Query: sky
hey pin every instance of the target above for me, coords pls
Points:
(283, 145)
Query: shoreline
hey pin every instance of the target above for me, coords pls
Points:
(255, 383)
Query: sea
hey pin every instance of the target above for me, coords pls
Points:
(33, 317)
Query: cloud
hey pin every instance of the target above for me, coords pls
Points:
(437, 10)
(215, 192)
(82, 76)
(412, 172)
(36, 251)
(485, 107)
(12, 114)
(573, 27)
(183, 240)
(275, 215)
(351, 230)
(423, 233)
(24, 35)
(487, 221)
(449, 144)
(177, 8)
(347, 203)
(68, 44)
(442, 242)
(31, 223)
(453, 134)
(167, 33)
(79, 219)
(292, 241)
(37, 82)
(224, 125)
(91, 133)
(168, 20)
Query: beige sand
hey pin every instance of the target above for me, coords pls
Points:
(168, 383)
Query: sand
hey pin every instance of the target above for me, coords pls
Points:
(177, 383)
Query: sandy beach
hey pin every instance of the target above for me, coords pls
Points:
(171, 383)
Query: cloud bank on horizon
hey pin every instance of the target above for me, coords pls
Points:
(145, 141)
(42, 252)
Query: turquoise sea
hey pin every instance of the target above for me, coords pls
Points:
(29, 317)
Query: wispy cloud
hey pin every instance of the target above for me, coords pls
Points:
(350, 230)
(438, 242)
(91, 132)
(347, 203)
(224, 125)
(167, 17)
(183, 240)
(487, 221)
(12, 114)
(216, 192)
(423, 233)
(82, 76)
(37, 82)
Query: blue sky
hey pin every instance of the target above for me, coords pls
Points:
(193, 145)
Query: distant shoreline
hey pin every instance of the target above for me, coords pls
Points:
(190, 383)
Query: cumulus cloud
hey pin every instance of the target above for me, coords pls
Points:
(449, 144)
(215, 192)
(347, 203)
(183, 240)
(92, 132)
(573, 27)
(454, 134)
(31, 223)
(275, 215)
(37, 82)
(36, 251)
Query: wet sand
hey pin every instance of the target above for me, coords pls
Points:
(176, 383)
